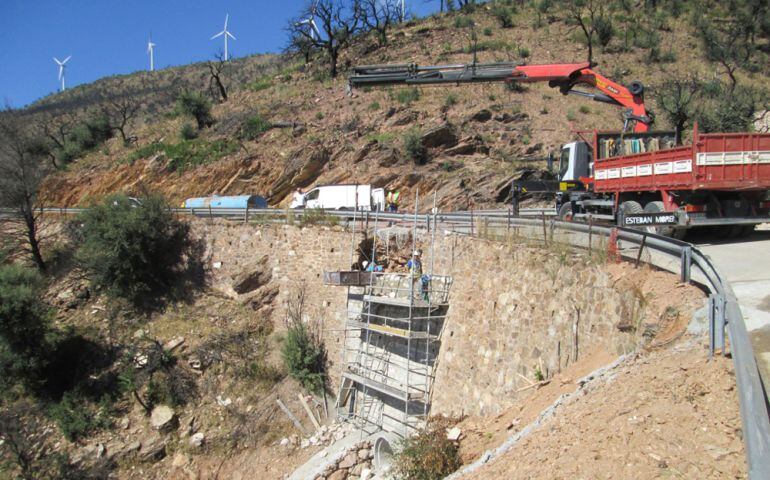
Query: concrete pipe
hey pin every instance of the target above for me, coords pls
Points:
(384, 446)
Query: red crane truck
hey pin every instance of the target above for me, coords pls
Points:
(635, 177)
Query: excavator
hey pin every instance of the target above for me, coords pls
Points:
(631, 177)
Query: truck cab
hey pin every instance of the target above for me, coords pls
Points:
(575, 161)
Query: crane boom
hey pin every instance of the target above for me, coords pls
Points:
(564, 76)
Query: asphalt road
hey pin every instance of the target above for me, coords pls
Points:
(745, 264)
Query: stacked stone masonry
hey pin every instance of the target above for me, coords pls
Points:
(513, 308)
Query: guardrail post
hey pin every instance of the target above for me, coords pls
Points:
(472, 222)
(641, 248)
(712, 325)
(211, 216)
(686, 261)
(590, 233)
(246, 215)
(717, 307)
(427, 221)
(508, 226)
(545, 232)
(721, 322)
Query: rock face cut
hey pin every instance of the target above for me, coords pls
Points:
(299, 172)
(251, 280)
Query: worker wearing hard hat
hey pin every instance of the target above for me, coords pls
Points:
(414, 266)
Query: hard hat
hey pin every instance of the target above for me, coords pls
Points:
(366, 263)
(417, 253)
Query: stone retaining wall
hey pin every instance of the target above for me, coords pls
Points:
(513, 309)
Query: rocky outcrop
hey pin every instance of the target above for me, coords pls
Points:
(443, 136)
(299, 172)
(483, 115)
(163, 418)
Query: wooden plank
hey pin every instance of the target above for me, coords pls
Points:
(291, 416)
(308, 411)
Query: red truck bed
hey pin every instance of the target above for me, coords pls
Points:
(715, 161)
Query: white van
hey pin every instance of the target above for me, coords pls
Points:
(342, 197)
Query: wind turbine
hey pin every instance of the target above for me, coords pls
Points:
(224, 33)
(61, 64)
(403, 9)
(310, 22)
(150, 47)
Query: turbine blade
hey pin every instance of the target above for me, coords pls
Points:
(227, 16)
(56, 60)
(217, 35)
(67, 59)
(231, 35)
(61, 71)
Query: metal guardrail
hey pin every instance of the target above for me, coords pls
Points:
(724, 311)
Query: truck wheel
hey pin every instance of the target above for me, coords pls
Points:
(630, 206)
(664, 230)
(565, 212)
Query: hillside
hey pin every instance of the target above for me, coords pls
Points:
(495, 131)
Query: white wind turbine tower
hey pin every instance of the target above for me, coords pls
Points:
(61, 64)
(224, 33)
(310, 22)
(403, 9)
(150, 51)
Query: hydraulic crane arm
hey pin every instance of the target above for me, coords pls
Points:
(564, 76)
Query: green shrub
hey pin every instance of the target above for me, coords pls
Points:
(91, 133)
(427, 455)
(503, 16)
(604, 30)
(524, 52)
(413, 147)
(407, 96)
(724, 109)
(515, 87)
(571, 116)
(304, 356)
(584, 109)
(23, 326)
(70, 152)
(450, 100)
(261, 84)
(384, 138)
(487, 32)
(374, 106)
(319, 115)
(462, 21)
(140, 253)
(188, 132)
(254, 127)
(197, 106)
(186, 154)
(77, 418)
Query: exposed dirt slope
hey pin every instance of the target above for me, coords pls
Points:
(360, 138)
(666, 413)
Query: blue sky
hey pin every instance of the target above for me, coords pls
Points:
(107, 37)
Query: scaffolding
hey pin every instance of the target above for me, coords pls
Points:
(392, 337)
